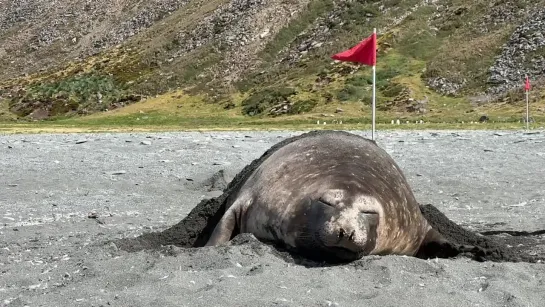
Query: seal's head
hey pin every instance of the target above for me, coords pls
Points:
(335, 227)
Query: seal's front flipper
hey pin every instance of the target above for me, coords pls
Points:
(224, 229)
(435, 245)
(474, 252)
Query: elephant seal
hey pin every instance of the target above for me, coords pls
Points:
(334, 196)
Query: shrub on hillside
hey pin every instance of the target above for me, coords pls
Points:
(263, 100)
(392, 90)
(302, 106)
(352, 93)
(83, 93)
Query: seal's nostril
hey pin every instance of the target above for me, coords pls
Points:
(343, 233)
(351, 238)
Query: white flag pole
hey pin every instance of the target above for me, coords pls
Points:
(527, 108)
(374, 95)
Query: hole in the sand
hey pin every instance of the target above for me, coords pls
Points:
(218, 181)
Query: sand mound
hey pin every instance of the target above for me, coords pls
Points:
(495, 247)
(195, 229)
(218, 181)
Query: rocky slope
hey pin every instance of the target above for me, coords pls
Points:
(523, 54)
(78, 57)
(41, 34)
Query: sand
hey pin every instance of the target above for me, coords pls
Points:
(69, 202)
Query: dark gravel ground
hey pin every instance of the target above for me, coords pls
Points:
(65, 197)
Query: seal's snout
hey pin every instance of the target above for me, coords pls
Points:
(357, 234)
(350, 238)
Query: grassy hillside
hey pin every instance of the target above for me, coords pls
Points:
(201, 65)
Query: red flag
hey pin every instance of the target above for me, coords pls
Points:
(527, 84)
(365, 52)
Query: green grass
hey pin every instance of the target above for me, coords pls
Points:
(181, 112)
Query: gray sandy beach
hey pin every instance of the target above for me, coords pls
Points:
(62, 195)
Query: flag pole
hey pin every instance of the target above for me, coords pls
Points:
(374, 95)
(527, 107)
(364, 53)
(527, 111)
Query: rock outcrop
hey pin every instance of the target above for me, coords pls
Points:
(445, 87)
(523, 54)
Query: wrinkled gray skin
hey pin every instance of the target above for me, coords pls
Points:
(333, 194)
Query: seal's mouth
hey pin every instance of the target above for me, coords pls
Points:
(338, 254)
(344, 253)
(336, 251)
